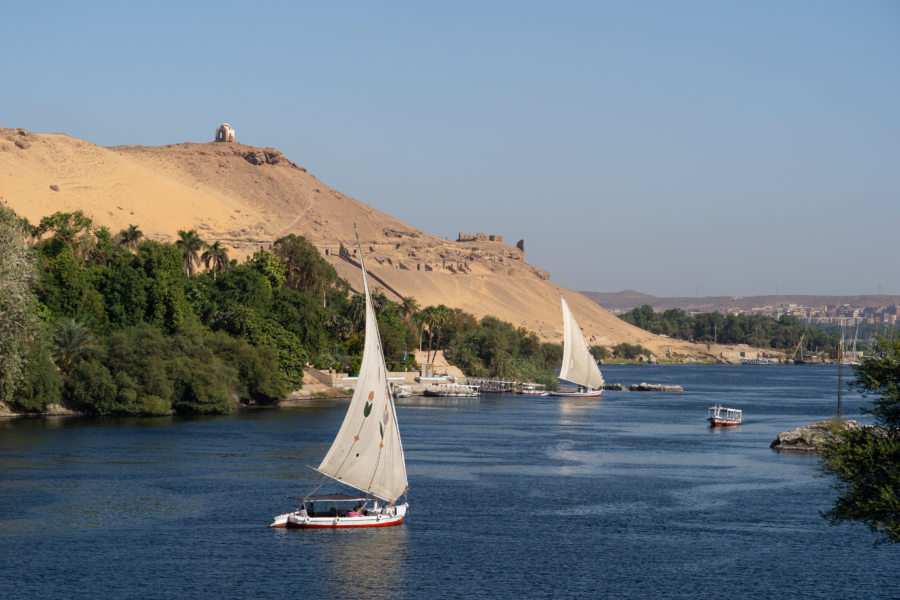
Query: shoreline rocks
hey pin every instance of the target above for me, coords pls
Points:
(807, 439)
(655, 387)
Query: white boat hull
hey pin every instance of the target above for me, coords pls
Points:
(301, 521)
(587, 394)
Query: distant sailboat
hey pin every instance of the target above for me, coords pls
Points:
(366, 454)
(578, 364)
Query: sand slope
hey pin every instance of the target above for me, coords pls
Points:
(248, 197)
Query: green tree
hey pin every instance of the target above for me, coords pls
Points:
(409, 306)
(215, 258)
(189, 243)
(600, 352)
(305, 269)
(440, 316)
(865, 464)
(18, 322)
(71, 230)
(91, 388)
(42, 383)
(129, 238)
(72, 342)
(267, 263)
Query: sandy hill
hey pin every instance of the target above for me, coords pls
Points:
(248, 197)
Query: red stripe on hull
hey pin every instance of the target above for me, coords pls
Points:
(724, 424)
(333, 526)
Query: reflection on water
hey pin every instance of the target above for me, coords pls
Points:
(367, 563)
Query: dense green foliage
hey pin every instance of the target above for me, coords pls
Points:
(495, 348)
(118, 324)
(18, 319)
(784, 333)
(866, 464)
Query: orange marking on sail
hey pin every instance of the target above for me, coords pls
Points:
(355, 438)
(371, 395)
(381, 445)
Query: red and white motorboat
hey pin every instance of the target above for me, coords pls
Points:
(719, 416)
(366, 454)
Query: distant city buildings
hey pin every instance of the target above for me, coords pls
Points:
(840, 315)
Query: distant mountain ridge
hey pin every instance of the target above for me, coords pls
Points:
(629, 299)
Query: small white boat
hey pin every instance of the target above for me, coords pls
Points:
(366, 454)
(452, 390)
(578, 364)
(529, 389)
(719, 416)
(401, 391)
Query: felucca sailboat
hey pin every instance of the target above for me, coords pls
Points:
(366, 455)
(578, 365)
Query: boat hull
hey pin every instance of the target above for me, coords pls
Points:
(532, 393)
(722, 423)
(294, 520)
(590, 394)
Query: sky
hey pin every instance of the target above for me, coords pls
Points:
(674, 148)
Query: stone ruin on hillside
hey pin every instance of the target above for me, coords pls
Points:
(224, 133)
(479, 237)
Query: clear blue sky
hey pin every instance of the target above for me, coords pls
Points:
(674, 148)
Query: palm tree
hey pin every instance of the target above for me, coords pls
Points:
(441, 316)
(409, 306)
(189, 243)
(130, 238)
(426, 316)
(215, 258)
(379, 301)
(357, 311)
(71, 342)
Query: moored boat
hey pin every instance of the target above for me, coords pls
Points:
(452, 390)
(530, 389)
(719, 416)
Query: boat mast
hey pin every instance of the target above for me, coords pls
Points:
(390, 391)
(840, 373)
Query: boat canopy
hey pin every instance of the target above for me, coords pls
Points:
(331, 498)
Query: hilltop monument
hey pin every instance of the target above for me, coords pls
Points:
(224, 133)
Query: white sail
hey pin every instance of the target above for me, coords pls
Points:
(367, 453)
(578, 365)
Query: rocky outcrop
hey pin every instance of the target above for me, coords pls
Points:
(655, 387)
(51, 410)
(808, 439)
(264, 156)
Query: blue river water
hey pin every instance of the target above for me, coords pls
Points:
(629, 496)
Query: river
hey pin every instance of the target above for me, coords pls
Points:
(630, 496)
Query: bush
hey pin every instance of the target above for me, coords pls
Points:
(91, 389)
(629, 351)
(41, 385)
(154, 405)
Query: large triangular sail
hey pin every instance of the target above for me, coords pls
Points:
(367, 453)
(578, 365)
